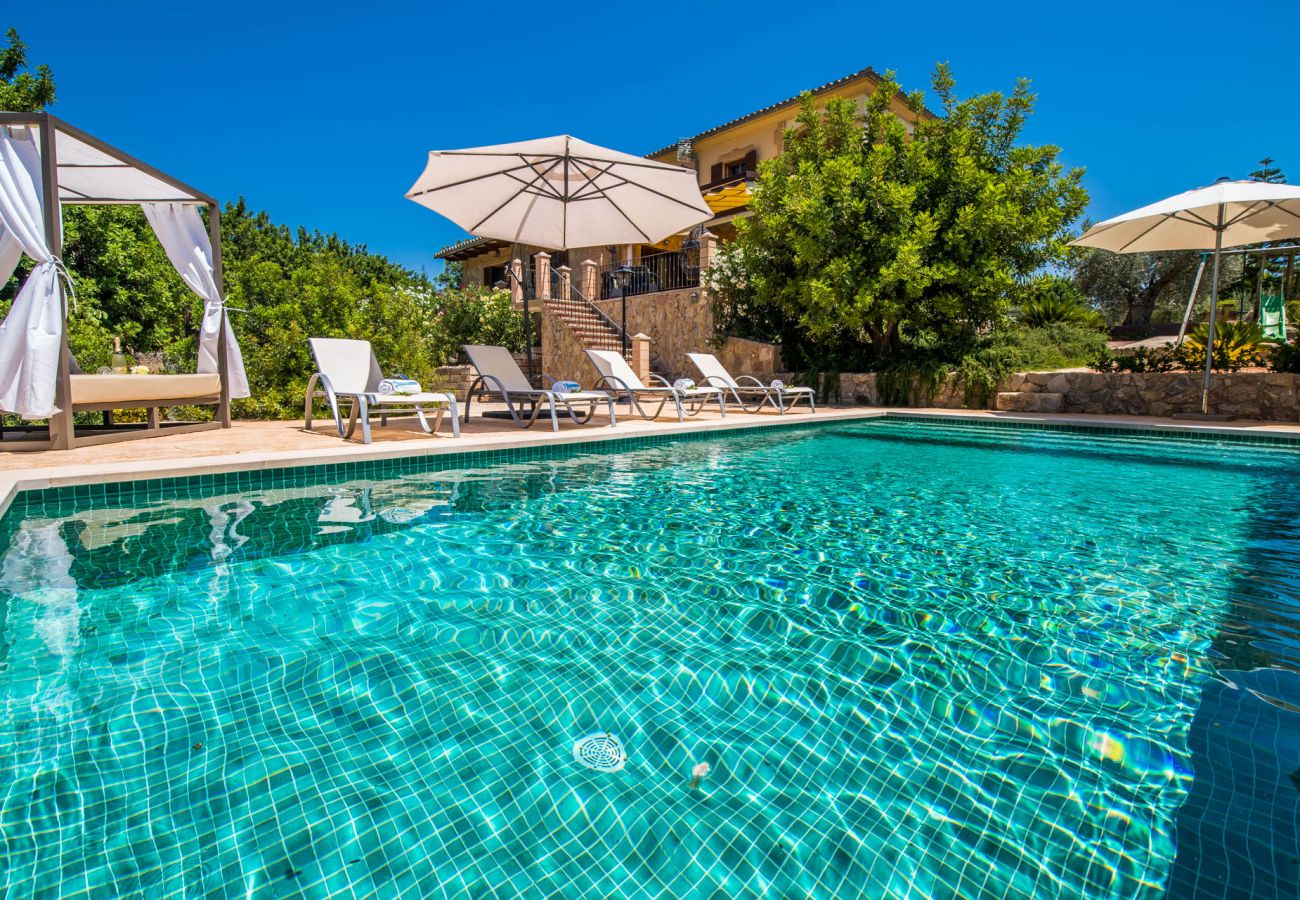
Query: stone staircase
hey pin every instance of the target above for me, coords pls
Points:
(592, 330)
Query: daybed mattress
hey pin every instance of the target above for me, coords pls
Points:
(142, 390)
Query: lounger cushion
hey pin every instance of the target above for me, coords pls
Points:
(766, 389)
(582, 395)
(411, 399)
(142, 390)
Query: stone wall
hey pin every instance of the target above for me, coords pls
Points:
(678, 322)
(562, 353)
(861, 389)
(745, 357)
(1266, 396)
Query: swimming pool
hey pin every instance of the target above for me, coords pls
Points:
(920, 659)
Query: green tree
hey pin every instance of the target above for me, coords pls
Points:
(22, 90)
(1129, 288)
(1268, 172)
(896, 236)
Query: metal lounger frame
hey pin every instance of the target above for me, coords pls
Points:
(532, 398)
(664, 392)
(774, 395)
(361, 409)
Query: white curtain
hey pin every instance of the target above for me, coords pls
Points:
(181, 231)
(31, 334)
(10, 252)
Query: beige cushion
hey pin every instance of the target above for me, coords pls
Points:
(141, 390)
(412, 399)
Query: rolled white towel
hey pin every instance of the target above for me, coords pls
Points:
(566, 387)
(399, 386)
(684, 384)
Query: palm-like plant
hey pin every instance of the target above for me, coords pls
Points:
(1056, 301)
(1236, 345)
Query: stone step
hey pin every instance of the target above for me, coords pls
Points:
(1030, 401)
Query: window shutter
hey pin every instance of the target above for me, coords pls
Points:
(751, 160)
(715, 172)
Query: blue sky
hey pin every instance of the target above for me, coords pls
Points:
(322, 113)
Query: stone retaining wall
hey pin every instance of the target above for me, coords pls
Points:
(1267, 396)
(678, 322)
(741, 356)
(861, 389)
(562, 353)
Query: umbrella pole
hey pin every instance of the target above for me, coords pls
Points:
(528, 341)
(1214, 304)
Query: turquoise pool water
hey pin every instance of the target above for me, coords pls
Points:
(920, 660)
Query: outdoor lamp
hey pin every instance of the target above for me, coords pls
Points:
(691, 251)
(622, 276)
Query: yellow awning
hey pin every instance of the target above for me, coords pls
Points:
(730, 197)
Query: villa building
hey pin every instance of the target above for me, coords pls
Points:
(575, 289)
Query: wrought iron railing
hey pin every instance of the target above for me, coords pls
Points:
(577, 301)
(666, 271)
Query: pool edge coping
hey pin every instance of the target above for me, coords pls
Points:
(48, 478)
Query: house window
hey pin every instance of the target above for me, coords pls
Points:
(733, 169)
(493, 274)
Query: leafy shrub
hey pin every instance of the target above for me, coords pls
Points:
(480, 317)
(1052, 300)
(1236, 346)
(1139, 359)
(1286, 357)
(989, 360)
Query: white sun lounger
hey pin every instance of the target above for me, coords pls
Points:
(349, 371)
(500, 374)
(779, 395)
(617, 375)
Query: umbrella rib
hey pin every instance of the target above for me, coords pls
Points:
(625, 180)
(1284, 209)
(1193, 218)
(598, 191)
(1248, 212)
(530, 186)
(504, 203)
(637, 164)
(659, 193)
(1158, 223)
(492, 174)
(645, 237)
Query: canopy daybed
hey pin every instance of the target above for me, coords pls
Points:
(45, 163)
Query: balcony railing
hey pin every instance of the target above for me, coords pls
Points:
(728, 180)
(667, 271)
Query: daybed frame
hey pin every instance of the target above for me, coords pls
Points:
(62, 432)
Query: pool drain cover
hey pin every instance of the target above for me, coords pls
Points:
(601, 751)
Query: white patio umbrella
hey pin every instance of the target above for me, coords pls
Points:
(560, 192)
(1225, 214)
